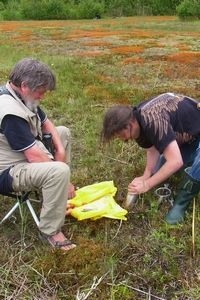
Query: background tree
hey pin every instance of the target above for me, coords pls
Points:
(189, 9)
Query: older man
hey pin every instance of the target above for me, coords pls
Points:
(168, 127)
(25, 162)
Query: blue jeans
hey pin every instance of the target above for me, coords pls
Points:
(194, 170)
(191, 159)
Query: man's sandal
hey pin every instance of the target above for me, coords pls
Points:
(57, 244)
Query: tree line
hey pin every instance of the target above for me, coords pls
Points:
(88, 9)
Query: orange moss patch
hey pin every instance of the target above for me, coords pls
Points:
(97, 44)
(9, 26)
(142, 34)
(26, 25)
(25, 36)
(93, 33)
(93, 53)
(127, 49)
(133, 60)
(142, 19)
(183, 48)
(153, 44)
(185, 57)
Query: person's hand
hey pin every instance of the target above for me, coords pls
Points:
(60, 155)
(138, 186)
(71, 191)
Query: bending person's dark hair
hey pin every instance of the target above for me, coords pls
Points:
(116, 119)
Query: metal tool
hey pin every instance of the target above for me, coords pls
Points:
(130, 201)
(164, 194)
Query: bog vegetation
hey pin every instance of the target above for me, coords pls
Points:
(99, 63)
(88, 9)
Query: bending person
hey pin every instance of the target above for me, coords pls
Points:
(168, 127)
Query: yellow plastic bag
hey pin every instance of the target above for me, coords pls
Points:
(91, 210)
(103, 207)
(93, 192)
(114, 210)
(96, 201)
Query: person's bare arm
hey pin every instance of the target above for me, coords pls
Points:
(35, 154)
(152, 159)
(152, 156)
(60, 154)
(173, 163)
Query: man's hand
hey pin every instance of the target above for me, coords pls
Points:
(71, 191)
(60, 155)
(138, 186)
(48, 127)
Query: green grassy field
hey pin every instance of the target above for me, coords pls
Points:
(99, 63)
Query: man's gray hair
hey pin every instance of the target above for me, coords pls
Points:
(33, 73)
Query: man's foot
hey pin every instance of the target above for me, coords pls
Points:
(58, 241)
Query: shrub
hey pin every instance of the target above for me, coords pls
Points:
(189, 9)
(117, 8)
(33, 9)
(55, 9)
(43, 10)
(58, 9)
(12, 11)
(2, 7)
(89, 9)
(160, 7)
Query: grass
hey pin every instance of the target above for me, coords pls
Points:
(99, 63)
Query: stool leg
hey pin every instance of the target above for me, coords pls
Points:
(32, 212)
(10, 212)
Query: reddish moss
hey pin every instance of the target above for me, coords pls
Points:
(97, 44)
(124, 49)
(185, 57)
(133, 60)
(93, 53)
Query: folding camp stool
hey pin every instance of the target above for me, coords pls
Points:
(21, 200)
